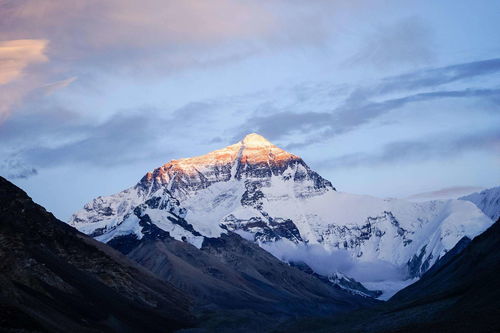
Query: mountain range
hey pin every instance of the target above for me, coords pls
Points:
(209, 244)
(273, 198)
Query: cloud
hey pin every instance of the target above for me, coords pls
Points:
(325, 262)
(15, 169)
(408, 42)
(364, 104)
(160, 36)
(123, 138)
(431, 148)
(52, 87)
(278, 124)
(445, 193)
(322, 261)
(47, 135)
(94, 40)
(16, 55)
(54, 135)
(356, 110)
(438, 76)
(195, 111)
(15, 83)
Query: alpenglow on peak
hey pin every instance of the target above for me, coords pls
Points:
(252, 149)
(255, 140)
(252, 159)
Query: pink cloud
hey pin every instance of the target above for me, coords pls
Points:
(148, 37)
(16, 55)
(15, 79)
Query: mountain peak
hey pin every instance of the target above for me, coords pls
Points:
(254, 157)
(255, 140)
(253, 149)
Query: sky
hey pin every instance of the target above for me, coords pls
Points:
(387, 98)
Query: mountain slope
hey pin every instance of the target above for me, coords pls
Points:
(273, 198)
(487, 200)
(53, 278)
(232, 274)
(461, 295)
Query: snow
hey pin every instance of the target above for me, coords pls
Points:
(209, 206)
(255, 140)
(388, 287)
(488, 201)
(93, 217)
(246, 235)
(161, 220)
(129, 226)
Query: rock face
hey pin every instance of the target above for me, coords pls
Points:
(488, 201)
(272, 197)
(55, 279)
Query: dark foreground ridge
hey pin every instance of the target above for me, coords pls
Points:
(461, 294)
(55, 279)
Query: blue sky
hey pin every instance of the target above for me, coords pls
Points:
(388, 98)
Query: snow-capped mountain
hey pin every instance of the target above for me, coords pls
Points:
(487, 200)
(272, 197)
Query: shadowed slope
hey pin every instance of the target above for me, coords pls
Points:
(231, 272)
(53, 278)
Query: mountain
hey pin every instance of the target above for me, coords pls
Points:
(232, 280)
(461, 293)
(488, 201)
(209, 187)
(56, 279)
(272, 197)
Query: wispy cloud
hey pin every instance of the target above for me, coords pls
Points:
(442, 146)
(435, 77)
(15, 169)
(54, 135)
(123, 138)
(57, 136)
(408, 41)
(52, 87)
(445, 193)
(357, 110)
(16, 55)
(367, 103)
